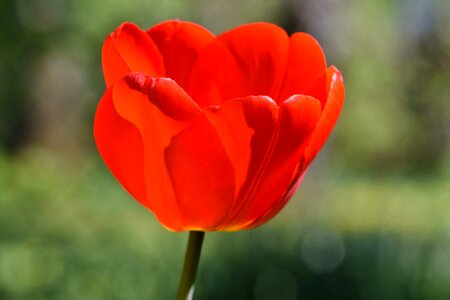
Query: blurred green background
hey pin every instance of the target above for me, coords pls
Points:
(370, 221)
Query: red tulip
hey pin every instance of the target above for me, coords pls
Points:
(214, 132)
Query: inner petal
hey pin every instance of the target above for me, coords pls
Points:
(248, 60)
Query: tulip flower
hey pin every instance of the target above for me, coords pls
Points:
(214, 133)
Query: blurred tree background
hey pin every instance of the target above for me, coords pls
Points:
(370, 221)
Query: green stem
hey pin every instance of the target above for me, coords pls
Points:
(191, 260)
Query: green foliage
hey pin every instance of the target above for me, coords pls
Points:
(77, 235)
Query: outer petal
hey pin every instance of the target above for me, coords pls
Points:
(129, 49)
(306, 71)
(158, 109)
(120, 146)
(202, 175)
(326, 123)
(244, 124)
(248, 60)
(330, 114)
(297, 119)
(179, 44)
(210, 160)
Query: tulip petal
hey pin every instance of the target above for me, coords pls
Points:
(306, 71)
(323, 129)
(326, 123)
(330, 114)
(298, 116)
(130, 49)
(159, 109)
(244, 124)
(120, 146)
(202, 175)
(179, 44)
(248, 60)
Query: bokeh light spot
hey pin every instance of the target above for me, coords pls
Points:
(322, 250)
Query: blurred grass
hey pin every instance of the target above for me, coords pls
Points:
(68, 231)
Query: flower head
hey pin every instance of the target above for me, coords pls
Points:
(214, 132)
